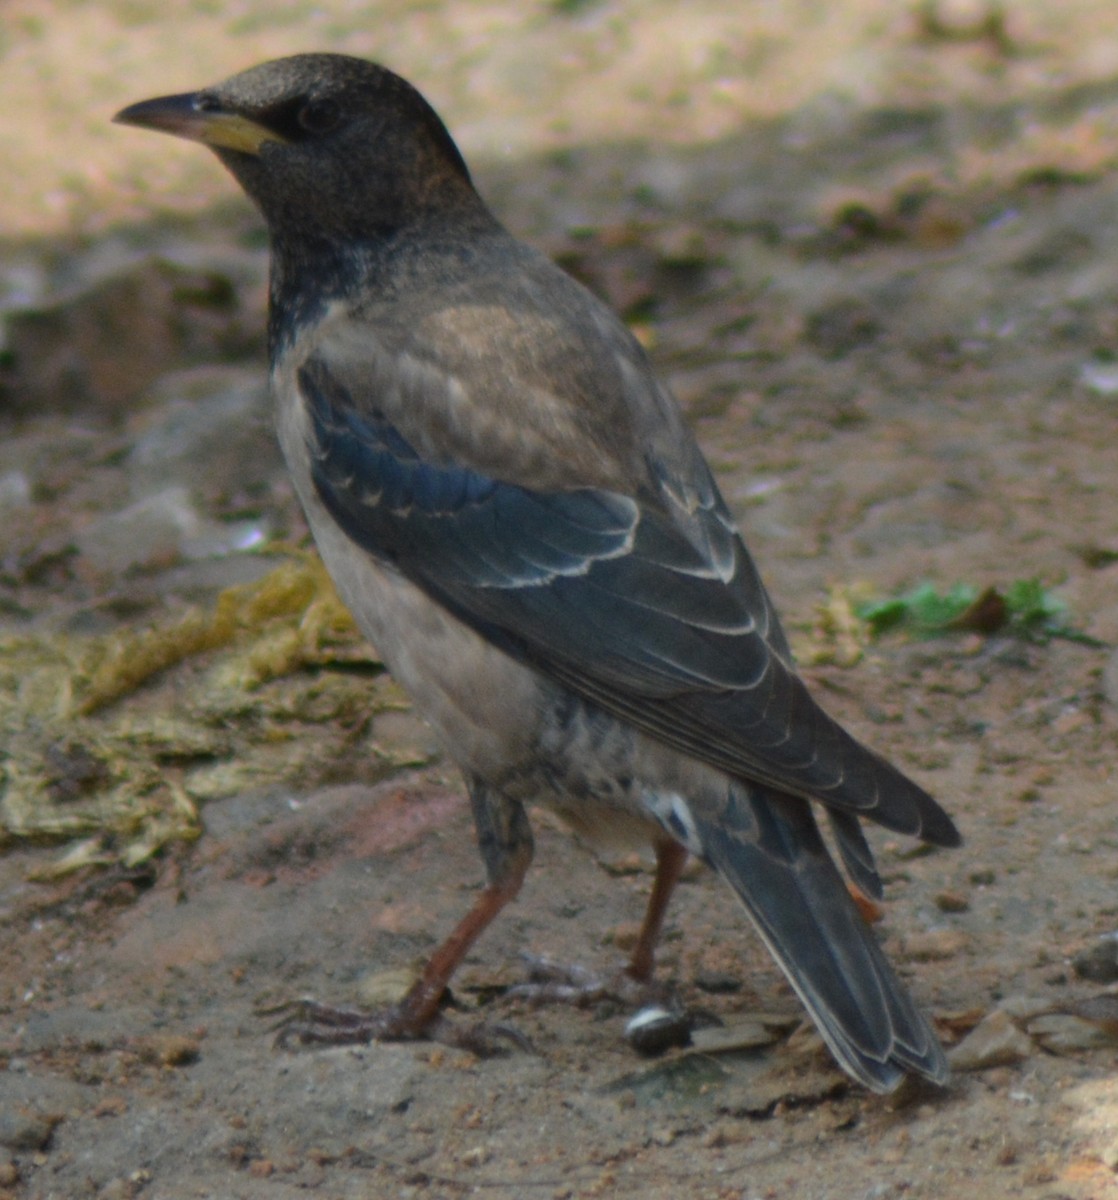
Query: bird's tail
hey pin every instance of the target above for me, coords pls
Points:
(767, 846)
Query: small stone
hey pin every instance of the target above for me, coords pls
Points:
(1007, 1155)
(169, 1050)
(19, 1131)
(718, 1136)
(1098, 962)
(934, 946)
(625, 936)
(1061, 1033)
(118, 1189)
(1109, 1156)
(1100, 377)
(149, 532)
(994, 1042)
(382, 988)
(1024, 1008)
(1110, 679)
(208, 429)
(15, 490)
(952, 902)
(718, 983)
(741, 1035)
(655, 1029)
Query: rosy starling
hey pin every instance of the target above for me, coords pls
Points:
(515, 511)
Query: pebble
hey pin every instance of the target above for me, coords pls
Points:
(15, 490)
(742, 1035)
(934, 946)
(1098, 962)
(718, 983)
(169, 1050)
(94, 349)
(1110, 679)
(208, 429)
(1100, 377)
(148, 532)
(21, 1132)
(1060, 1033)
(994, 1042)
(1109, 1156)
(390, 986)
(655, 1029)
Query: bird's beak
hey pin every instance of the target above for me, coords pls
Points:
(186, 116)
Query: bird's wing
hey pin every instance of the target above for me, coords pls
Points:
(652, 610)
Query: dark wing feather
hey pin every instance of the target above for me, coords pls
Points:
(653, 611)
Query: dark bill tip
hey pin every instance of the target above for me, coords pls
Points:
(178, 115)
(194, 116)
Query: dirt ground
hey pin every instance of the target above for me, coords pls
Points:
(874, 248)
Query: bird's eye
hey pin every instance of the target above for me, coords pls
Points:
(319, 116)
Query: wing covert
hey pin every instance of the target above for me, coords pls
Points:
(657, 616)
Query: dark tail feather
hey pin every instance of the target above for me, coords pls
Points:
(857, 857)
(768, 848)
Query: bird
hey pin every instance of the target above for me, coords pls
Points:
(514, 509)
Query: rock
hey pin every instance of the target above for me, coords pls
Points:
(994, 1042)
(15, 490)
(842, 326)
(936, 945)
(654, 1029)
(718, 983)
(952, 902)
(151, 531)
(1061, 1033)
(169, 1050)
(1109, 1155)
(208, 429)
(19, 1131)
(1100, 377)
(741, 1035)
(96, 348)
(1098, 962)
(1024, 1008)
(1110, 679)
(382, 988)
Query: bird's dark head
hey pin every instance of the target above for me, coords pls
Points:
(329, 147)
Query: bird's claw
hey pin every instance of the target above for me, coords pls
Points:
(309, 1023)
(551, 982)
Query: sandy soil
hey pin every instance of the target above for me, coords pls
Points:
(877, 256)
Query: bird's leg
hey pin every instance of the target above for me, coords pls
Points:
(634, 984)
(671, 858)
(505, 841)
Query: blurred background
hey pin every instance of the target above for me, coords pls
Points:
(519, 80)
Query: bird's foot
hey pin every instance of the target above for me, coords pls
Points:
(308, 1023)
(659, 1021)
(551, 982)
